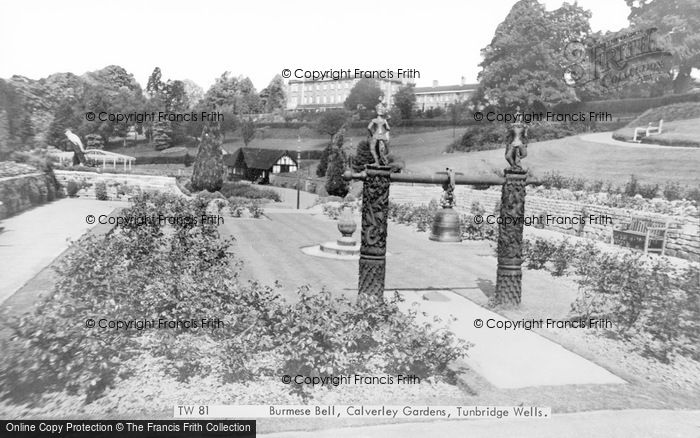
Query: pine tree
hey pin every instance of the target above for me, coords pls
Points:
(322, 167)
(335, 184)
(208, 170)
(162, 135)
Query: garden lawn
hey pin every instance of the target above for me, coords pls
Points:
(570, 156)
(674, 133)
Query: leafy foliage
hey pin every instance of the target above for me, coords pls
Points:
(364, 96)
(405, 100)
(208, 170)
(245, 190)
(184, 271)
(524, 63)
(335, 184)
(651, 303)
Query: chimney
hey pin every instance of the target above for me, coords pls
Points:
(435, 84)
(462, 81)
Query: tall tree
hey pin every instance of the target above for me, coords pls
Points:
(335, 183)
(273, 96)
(364, 96)
(525, 61)
(678, 23)
(155, 83)
(405, 100)
(222, 94)
(247, 130)
(208, 170)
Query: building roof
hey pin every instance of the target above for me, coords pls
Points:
(445, 89)
(256, 158)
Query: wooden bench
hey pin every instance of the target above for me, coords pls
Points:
(649, 130)
(645, 234)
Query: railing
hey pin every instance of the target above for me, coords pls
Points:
(98, 155)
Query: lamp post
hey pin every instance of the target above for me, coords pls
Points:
(298, 169)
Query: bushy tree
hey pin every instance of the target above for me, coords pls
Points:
(335, 184)
(364, 96)
(330, 122)
(273, 96)
(4, 135)
(247, 130)
(405, 100)
(525, 61)
(678, 24)
(208, 170)
(64, 117)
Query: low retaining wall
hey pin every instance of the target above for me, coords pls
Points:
(118, 185)
(20, 192)
(683, 239)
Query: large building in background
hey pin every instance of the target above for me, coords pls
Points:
(331, 94)
(442, 96)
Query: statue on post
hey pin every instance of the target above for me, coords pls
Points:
(379, 136)
(78, 148)
(516, 143)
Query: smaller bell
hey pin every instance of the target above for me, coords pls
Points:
(446, 226)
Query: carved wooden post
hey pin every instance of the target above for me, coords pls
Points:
(375, 211)
(510, 239)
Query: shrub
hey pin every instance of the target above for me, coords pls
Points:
(335, 184)
(255, 210)
(652, 304)
(672, 190)
(140, 272)
(72, 188)
(188, 160)
(648, 191)
(246, 190)
(101, 191)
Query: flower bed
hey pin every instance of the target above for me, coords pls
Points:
(186, 272)
(651, 303)
(11, 168)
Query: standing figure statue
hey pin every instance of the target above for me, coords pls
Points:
(516, 143)
(379, 136)
(78, 149)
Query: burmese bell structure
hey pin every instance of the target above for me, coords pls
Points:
(446, 226)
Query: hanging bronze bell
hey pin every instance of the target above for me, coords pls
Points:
(446, 226)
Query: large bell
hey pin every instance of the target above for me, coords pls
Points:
(446, 226)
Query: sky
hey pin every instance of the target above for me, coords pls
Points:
(194, 40)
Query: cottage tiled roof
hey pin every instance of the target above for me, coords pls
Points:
(256, 158)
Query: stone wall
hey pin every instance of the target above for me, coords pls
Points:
(683, 239)
(116, 181)
(18, 193)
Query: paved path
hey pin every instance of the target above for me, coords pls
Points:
(271, 251)
(289, 198)
(33, 239)
(606, 138)
(522, 358)
(596, 424)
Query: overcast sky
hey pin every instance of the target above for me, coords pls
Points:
(199, 40)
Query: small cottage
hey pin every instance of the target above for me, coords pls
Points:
(255, 164)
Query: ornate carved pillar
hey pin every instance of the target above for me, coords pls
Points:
(375, 211)
(510, 239)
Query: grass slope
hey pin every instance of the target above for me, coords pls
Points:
(574, 157)
(681, 125)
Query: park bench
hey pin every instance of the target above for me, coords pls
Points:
(646, 234)
(649, 130)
